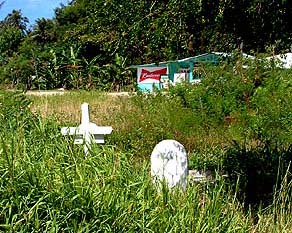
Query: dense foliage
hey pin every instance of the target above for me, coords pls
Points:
(236, 122)
(48, 185)
(89, 44)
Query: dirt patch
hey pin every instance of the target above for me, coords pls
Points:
(47, 93)
(62, 92)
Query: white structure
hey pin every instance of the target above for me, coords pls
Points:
(169, 164)
(285, 60)
(179, 78)
(87, 132)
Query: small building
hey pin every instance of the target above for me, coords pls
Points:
(163, 74)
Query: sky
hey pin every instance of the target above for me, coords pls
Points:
(32, 9)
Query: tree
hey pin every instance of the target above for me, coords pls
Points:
(12, 32)
(16, 20)
(45, 31)
(138, 32)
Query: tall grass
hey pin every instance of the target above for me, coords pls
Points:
(47, 185)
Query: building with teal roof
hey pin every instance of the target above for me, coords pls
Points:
(163, 74)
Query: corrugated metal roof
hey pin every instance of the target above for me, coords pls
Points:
(164, 63)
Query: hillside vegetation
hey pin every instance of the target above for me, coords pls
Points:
(90, 43)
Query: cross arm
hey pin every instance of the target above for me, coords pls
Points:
(69, 130)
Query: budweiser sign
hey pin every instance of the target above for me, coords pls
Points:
(151, 74)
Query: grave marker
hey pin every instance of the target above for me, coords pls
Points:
(87, 132)
(169, 164)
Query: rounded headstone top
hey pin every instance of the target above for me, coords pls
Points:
(169, 163)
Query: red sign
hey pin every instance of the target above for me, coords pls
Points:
(152, 74)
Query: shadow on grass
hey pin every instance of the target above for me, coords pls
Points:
(257, 173)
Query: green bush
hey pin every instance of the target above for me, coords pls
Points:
(148, 119)
(251, 108)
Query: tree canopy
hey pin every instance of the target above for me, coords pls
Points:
(89, 43)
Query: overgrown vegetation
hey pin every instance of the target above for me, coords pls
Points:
(89, 44)
(237, 122)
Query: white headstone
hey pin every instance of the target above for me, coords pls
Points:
(169, 164)
(87, 132)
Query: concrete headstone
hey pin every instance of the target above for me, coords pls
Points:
(169, 164)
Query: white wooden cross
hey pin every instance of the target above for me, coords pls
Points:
(87, 132)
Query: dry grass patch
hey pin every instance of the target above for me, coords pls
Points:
(67, 108)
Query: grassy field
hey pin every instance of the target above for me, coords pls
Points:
(67, 108)
(47, 185)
